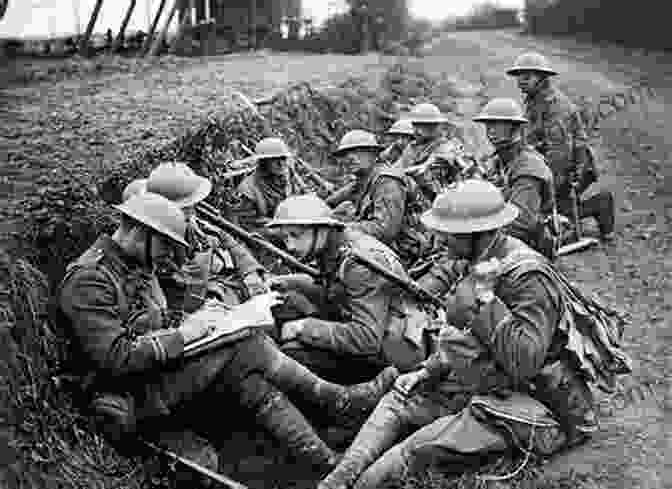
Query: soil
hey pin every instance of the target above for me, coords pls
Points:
(98, 118)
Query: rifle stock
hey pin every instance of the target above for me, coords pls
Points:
(212, 215)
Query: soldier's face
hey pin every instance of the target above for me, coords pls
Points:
(499, 132)
(528, 81)
(358, 162)
(426, 132)
(461, 245)
(276, 166)
(300, 240)
(162, 249)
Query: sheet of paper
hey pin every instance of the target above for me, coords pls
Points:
(255, 312)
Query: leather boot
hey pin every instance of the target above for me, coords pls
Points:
(601, 208)
(379, 433)
(391, 467)
(344, 405)
(286, 423)
(569, 398)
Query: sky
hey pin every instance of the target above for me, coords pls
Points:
(44, 18)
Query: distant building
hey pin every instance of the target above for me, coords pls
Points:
(243, 21)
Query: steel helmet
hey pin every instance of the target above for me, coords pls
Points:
(137, 186)
(427, 114)
(403, 127)
(357, 139)
(271, 148)
(303, 210)
(179, 183)
(531, 62)
(501, 109)
(469, 206)
(158, 213)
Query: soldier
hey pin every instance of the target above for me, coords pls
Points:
(261, 192)
(357, 318)
(557, 131)
(383, 200)
(400, 135)
(130, 351)
(468, 399)
(522, 174)
(433, 159)
(217, 265)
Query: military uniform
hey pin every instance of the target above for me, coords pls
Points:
(527, 182)
(215, 268)
(386, 207)
(513, 340)
(360, 319)
(557, 130)
(419, 153)
(259, 194)
(127, 347)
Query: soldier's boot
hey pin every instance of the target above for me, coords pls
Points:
(345, 405)
(391, 467)
(601, 207)
(569, 398)
(379, 433)
(285, 422)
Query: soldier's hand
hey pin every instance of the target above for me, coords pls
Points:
(406, 383)
(345, 211)
(194, 330)
(291, 330)
(255, 284)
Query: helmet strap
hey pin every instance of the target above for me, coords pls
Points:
(148, 248)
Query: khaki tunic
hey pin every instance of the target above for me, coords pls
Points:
(555, 129)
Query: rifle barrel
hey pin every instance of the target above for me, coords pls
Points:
(222, 479)
(213, 216)
(409, 285)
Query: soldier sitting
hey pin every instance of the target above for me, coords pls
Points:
(469, 399)
(522, 174)
(358, 322)
(557, 131)
(217, 265)
(260, 193)
(433, 159)
(130, 351)
(383, 199)
(397, 137)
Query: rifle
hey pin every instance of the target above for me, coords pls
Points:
(407, 284)
(212, 215)
(580, 242)
(191, 465)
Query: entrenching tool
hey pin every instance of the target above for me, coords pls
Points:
(580, 242)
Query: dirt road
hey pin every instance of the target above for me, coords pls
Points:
(634, 448)
(98, 120)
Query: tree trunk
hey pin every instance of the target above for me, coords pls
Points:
(152, 29)
(156, 45)
(84, 43)
(119, 41)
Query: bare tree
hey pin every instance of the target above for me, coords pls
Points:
(119, 41)
(152, 29)
(156, 45)
(84, 43)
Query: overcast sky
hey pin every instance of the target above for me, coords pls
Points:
(39, 18)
